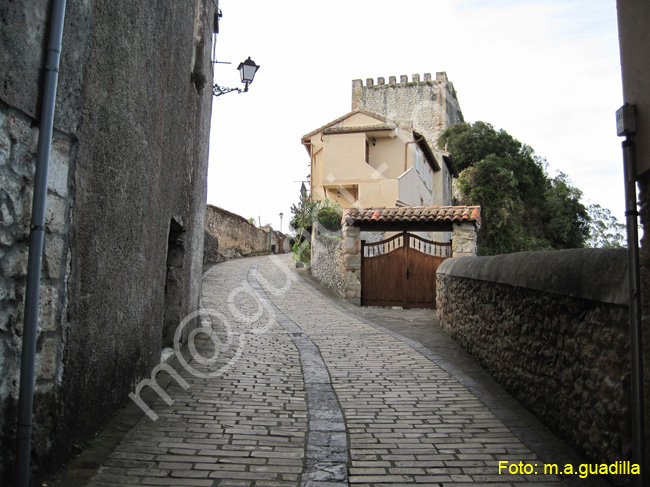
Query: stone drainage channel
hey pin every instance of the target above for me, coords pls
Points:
(327, 451)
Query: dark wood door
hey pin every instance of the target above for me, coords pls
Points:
(401, 271)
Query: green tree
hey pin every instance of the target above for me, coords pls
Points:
(330, 217)
(605, 231)
(327, 212)
(490, 184)
(301, 218)
(522, 208)
(301, 222)
(565, 218)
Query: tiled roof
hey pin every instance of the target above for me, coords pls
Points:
(340, 119)
(365, 128)
(413, 214)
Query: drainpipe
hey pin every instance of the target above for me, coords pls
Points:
(627, 126)
(30, 328)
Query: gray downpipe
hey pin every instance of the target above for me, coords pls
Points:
(26, 397)
(636, 354)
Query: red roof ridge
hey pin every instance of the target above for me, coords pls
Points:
(413, 214)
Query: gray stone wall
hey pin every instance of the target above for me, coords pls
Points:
(18, 140)
(127, 181)
(551, 327)
(233, 236)
(428, 105)
(327, 259)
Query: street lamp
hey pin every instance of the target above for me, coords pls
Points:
(247, 70)
(281, 215)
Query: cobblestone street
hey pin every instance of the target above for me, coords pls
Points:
(298, 388)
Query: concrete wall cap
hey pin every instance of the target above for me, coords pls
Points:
(594, 274)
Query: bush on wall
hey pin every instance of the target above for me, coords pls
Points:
(330, 218)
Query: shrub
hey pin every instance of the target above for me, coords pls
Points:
(302, 252)
(330, 218)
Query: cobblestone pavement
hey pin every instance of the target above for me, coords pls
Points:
(294, 388)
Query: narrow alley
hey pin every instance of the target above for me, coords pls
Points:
(290, 386)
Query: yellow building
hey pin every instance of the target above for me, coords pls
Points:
(364, 160)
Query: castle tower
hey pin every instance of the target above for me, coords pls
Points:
(428, 106)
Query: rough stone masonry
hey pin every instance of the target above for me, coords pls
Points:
(125, 204)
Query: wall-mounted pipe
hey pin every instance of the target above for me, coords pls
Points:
(26, 396)
(636, 350)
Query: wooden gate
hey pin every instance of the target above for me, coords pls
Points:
(401, 271)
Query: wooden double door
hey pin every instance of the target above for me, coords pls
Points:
(401, 271)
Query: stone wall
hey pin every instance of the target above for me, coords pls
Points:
(127, 183)
(327, 258)
(428, 105)
(232, 236)
(552, 329)
(18, 142)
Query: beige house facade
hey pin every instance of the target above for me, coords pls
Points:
(364, 160)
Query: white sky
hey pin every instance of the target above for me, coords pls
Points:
(546, 71)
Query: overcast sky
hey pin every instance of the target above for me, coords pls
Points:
(547, 72)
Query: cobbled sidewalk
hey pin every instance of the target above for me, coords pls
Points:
(285, 386)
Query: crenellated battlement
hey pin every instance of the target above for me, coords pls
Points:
(403, 80)
(425, 103)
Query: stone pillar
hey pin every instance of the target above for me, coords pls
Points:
(357, 88)
(352, 264)
(463, 241)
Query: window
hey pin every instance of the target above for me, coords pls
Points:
(367, 152)
(417, 159)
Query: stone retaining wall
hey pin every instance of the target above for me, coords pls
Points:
(552, 329)
(327, 259)
(229, 236)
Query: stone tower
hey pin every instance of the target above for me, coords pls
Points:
(428, 106)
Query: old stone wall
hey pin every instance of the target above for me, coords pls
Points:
(127, 183)
(18, 142)
(327, 259)
(552, 329)
(428, 105)
(233, 236)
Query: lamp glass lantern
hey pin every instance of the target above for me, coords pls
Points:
(247, 70)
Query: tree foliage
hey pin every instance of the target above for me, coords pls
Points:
(327, 212)
(605, 231)
(522, 207)
(330, 218)
(301, 218)
(566, 220)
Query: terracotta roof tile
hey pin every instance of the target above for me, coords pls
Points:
(410, 214)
